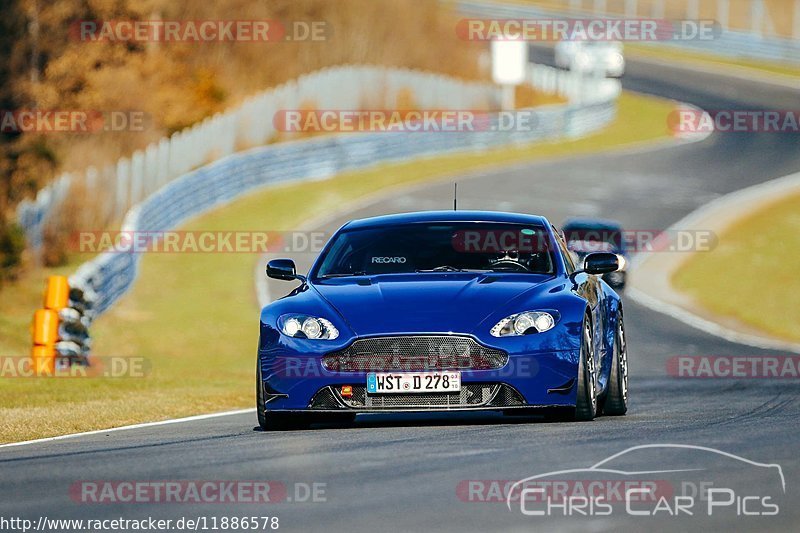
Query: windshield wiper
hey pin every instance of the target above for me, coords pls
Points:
(343, 275)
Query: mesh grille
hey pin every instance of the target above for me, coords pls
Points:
(507, 397)
(471, 395)
(415, 354)
(325, 399)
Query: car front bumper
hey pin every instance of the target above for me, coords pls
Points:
(300, 382)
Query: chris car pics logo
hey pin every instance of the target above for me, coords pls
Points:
(675, 480)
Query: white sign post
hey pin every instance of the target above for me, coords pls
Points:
(509, 63)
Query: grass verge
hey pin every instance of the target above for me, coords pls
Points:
(754, 256)
(193, 316)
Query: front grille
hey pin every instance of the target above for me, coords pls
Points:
(471, 395)
(415, 353)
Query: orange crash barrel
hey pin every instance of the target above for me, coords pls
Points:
(56, 295)
(45, 327)
(44, 360)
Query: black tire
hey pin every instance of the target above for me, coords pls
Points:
(586, 401)
(274, 421)
(616, 400)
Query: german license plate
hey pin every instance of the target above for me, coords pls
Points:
(400, 382)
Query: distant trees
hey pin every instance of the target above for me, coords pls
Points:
(12, 28)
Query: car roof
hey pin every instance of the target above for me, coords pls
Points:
(447, 216)
(585, 222)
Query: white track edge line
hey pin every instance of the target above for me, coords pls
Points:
(133, 426)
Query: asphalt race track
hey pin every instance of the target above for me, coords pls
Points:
(402, 474)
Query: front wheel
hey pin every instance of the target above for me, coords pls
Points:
(616, 403)
(586, 401)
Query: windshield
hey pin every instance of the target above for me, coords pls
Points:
(594, 239)
(438, 247)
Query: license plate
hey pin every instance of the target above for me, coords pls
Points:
(400, 382)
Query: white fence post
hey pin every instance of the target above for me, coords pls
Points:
(123, 190)
(174, 154)
(658, 9)
(163, 163)
(724, 13)
(109, 193)
(693, 9)
(151, 169)
(757, 17)
(631, 8)
(91, 180)
(796, 21)
(137, 177)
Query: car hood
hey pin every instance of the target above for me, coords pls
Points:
(426, 303)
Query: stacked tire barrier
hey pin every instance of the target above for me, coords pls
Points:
(60, 330)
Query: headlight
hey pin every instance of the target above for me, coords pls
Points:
(307, 327)
(525, 323)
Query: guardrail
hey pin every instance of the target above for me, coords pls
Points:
(732, 43)
(112, 273)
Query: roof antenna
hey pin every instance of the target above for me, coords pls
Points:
(455, 196)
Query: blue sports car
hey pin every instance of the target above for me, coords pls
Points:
(443, 311)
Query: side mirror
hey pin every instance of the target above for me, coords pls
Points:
(282, 269)
(600, 263)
